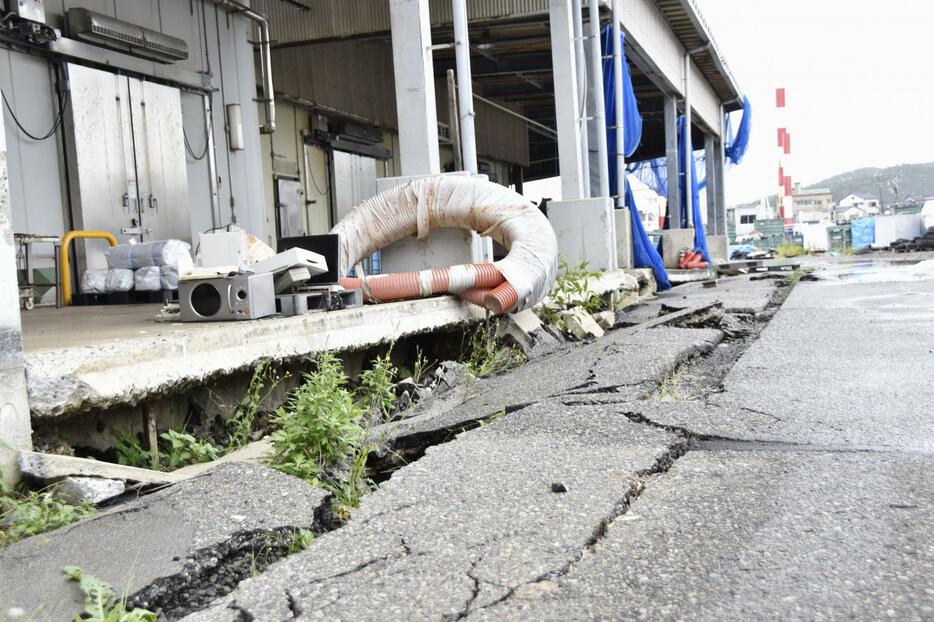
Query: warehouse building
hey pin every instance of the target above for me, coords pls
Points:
(154, 119)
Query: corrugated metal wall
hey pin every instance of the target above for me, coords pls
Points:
(356, 78)
(336, 19)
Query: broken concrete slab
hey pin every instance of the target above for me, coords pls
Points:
(728, 535)
(627, 362)
(579, 324)
(49, 468)
(735, 295)
(468, 523)
(122, 356)
(160, 543)
(606, 319)
(94, 490)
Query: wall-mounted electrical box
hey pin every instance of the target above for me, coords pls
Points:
(235, 126)
(28, 9)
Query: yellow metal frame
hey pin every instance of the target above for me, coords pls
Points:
(65, 277)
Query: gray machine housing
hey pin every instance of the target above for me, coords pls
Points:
(236, 297)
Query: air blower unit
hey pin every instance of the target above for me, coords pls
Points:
(237, 297)
(126, 37)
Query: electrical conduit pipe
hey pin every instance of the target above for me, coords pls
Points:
(518, 281)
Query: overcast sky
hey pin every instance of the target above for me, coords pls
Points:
(859, 77)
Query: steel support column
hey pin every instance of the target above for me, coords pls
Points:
(567, 113)
(415, 87)
(671, 161)
(599, 165)
(15, 426)
(464, 87)
(711, 156)
(718, 170)
(618, 61)
(581, 68)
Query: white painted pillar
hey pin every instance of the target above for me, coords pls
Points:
(564, 68)
(718, 170)
(581, 68)
(15, 425)
(600, 176)
(711, 155)
(464, 87)
(688, 162)
(618, 61)
(671, 162)
(415, 87)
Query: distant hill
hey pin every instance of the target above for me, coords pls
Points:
(913, 180)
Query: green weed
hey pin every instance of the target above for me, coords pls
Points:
(320, 435)
(486, 355)
(30, 513)
(789, 249)
(180, 449)
(375, 388)
(299, 540)
(572, 289)
(421, 366)
(264, 381)
(101, 603)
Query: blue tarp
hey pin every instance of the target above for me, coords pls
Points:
(737, 145)
(700, 238)
(863, 232)
(644, 254)
(632, 120)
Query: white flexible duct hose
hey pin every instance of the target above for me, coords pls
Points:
(429, 203)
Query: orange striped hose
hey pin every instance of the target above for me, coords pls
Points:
(481, 283)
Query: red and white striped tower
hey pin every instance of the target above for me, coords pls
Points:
(785, 204)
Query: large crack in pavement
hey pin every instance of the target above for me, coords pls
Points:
(481, 590)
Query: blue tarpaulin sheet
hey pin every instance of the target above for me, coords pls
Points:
(644, 253)
(863, 232)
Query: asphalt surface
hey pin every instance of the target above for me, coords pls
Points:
(793, 481)
(166, 534)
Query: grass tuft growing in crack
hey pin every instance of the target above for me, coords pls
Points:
(572, 289)
(176, 449)
(321, 435)
(376, 386)
(263, 382)
(101, 603)
(486, 355)
(27, 513)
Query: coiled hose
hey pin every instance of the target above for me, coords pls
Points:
(519, 280)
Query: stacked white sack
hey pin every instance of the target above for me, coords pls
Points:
(168, 277)
(148, 279)
(107, 281)
(157, 253)
(432, 203)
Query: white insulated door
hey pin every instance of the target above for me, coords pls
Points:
(129, 159)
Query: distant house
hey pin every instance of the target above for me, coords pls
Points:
(744, 217)
(853, 206)
(811, 200)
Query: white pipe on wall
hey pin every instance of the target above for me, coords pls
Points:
(688, 147)
(464, 86)
(265, 54)
(618, 107)
(596, 86)
(581, 92)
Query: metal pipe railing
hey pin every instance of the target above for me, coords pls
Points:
(265, 53)
(65, 276)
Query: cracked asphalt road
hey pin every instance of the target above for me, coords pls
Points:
(799, 489)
